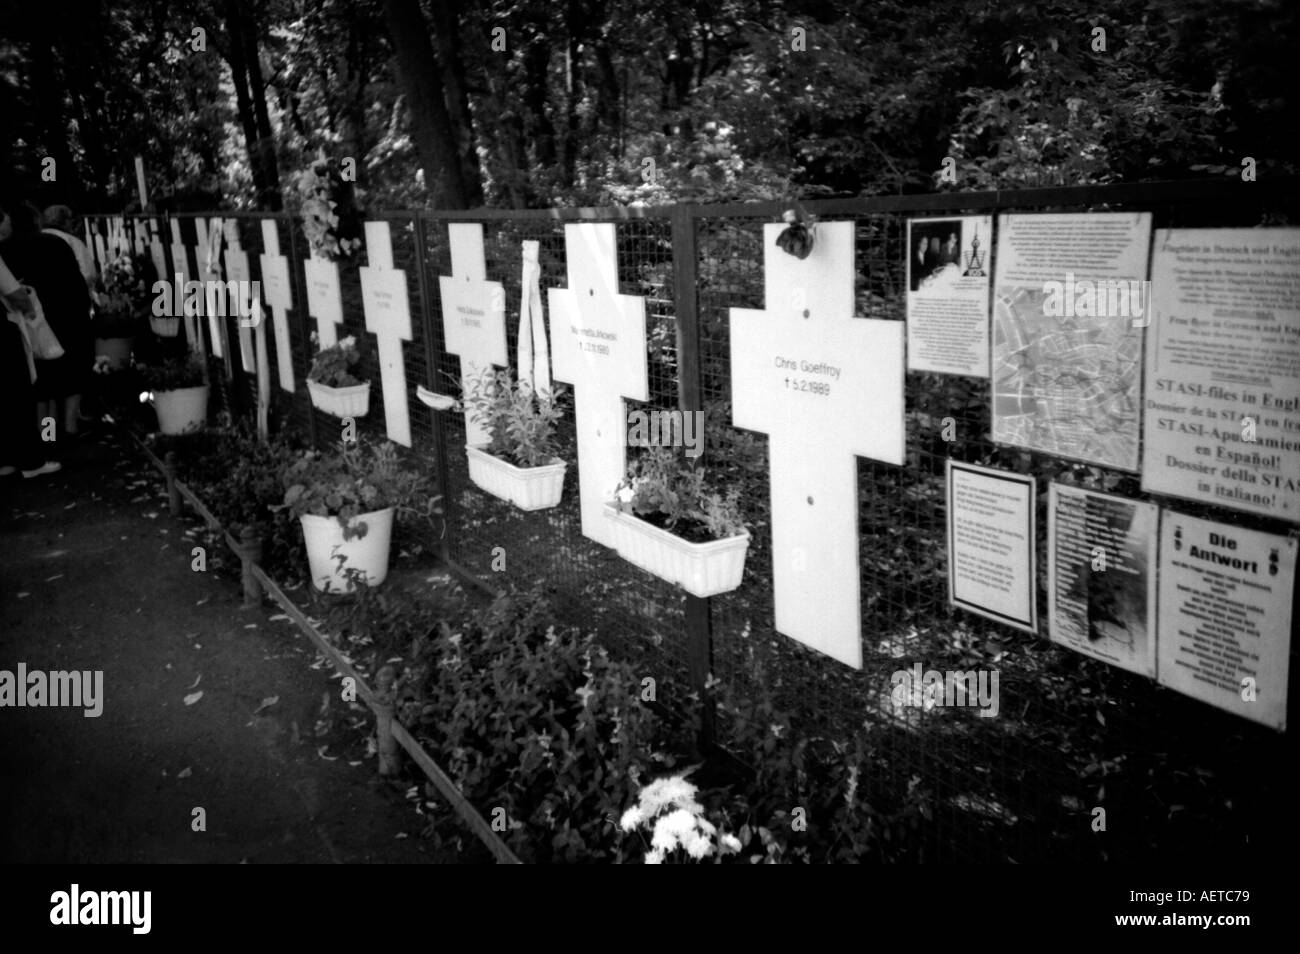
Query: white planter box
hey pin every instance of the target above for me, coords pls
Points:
(165, 327)
(702, 569)
(182, 410)
(528, 488)
(325, 543)
(341, 402)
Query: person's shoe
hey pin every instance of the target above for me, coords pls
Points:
(49, 467)
(6, 470)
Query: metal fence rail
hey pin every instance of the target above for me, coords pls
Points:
(1177, 777)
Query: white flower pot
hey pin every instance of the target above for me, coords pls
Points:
(182, 410)
(341, 402)
(165, 327)
(702, 569)
(325, 543)
(528, 488)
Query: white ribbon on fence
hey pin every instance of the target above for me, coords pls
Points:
(534, 354)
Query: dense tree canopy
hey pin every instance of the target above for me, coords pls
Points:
(459, 103)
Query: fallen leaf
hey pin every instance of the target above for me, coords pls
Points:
(251, 626)
(23, 595)
(202, 601)
(266, 703)
(193, 697)
(196, 681)
(184, 773)
(402, 834)
(327, 758)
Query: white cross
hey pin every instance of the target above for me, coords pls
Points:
(279, 295)
(237, 271)
(824, 386)
(207, 256)
(324, 300)
(388, 315)
(473, 316)
(598, 345)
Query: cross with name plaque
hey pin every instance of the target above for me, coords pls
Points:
(388, 316)
(598, 345)
(473, 316)
(825, 386)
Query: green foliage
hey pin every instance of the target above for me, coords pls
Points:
(521, 422)
(238, 477)
(182, 371)
(338, 366)
(536, 720)
(123, 296)
(330, 218)
(660, 488)
(352, 480)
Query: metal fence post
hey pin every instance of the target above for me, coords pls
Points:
(300, 296)
(699, 635)
(431, 382)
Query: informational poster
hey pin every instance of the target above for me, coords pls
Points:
(991, 569)
(1225, 615)
(827, 388)
(1069, 308)
(1101, 579)
(948, 274)
(1222, 418)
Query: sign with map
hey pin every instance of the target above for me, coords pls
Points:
(1069, 307)
(1101, 579)
(1225, 615)
(1222, 420)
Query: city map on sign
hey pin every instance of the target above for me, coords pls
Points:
(1065, 385)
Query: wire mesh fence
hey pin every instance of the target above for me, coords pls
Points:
(1175, 776)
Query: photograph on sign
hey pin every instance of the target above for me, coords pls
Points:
(1101, 581)
(991, 565)
(1069, 305)
(1222, 422)
(1225, 615)
(948, 274)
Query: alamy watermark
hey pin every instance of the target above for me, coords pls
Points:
(667, 429)
(931, 688)
(242, 299)
(76, 907)
(1104, 298)
(57, 688)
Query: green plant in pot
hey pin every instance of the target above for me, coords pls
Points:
(178, 390)
(671, 522)
(121, 302)
(336, 382)
(520, 462)
(347, 499)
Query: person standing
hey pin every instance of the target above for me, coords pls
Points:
(20, 442)
(49, 266)
(58, 220)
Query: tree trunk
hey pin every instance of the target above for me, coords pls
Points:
(243, 100)
(271, 198)
(435, 138)
(446, 34)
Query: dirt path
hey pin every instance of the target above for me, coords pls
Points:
(96, 575)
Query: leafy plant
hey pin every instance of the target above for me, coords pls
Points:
(330, 219)
(185, 371)
(353, 480)
(522, 422)
(673, 495)
(339, 365)
(123, 296)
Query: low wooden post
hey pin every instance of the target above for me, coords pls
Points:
(173, 492)
(250, 553)
(385, 694)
